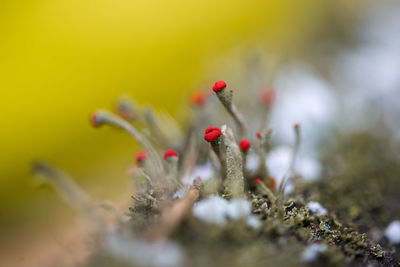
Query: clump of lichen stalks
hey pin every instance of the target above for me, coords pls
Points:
(197, 203)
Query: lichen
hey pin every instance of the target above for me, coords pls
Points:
(377, 251)
(340, 216)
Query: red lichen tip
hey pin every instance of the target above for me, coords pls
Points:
(198, 98)
(170, 153)
(218, 86)
(258, 134)
(296, 125)
(125, 112)
(244, 145)
(272, 183)
(267, 96)
(231, 91)
(140, 156)
(257, 181)
(94, 120)
(212, 133)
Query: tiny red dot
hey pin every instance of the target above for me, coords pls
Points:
(198, 98)
(170, 153)
(93, 120)
(244, 144)
(267, 96)
(140, 156)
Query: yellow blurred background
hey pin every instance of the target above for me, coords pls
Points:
(60, 60)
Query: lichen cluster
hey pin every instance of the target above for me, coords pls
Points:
(161, 229)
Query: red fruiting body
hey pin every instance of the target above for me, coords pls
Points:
(267, 96)
(257, 181)
(125, 113)
(212, 133)
(272, 183)
(258, 134)
(140, 156)
(244, 145)
(93, 120)
(231, 91)
(296, 125)
(198, 98)
(170, 153)
(218, 86)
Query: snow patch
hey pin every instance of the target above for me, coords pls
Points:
(253, 222)
(218, 210)
(392, 232)
(252, 162)
(279, 159)
(137, 252)
(205, 172)
(312, 251)
(316, 208)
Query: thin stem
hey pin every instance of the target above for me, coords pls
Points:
(265, 190)
(238, 118)
(69, 192)
(126, 108)
(216, 147)
(292, 167)
(225, 98)
(149, 182)
(263, 150)
(154, 126)
(244, 161)
(295, 149)
(263, 169)
(108, 117)
(172, 177)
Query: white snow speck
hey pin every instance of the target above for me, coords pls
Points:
(316, 208)
(237, 208)
(205, 172)
(305, 98)
(289, 188)
(312, 251)
(211, 210)
(392, 232)
(278, 162)
(217, 210)
(180, 192)
(136, 252)
(253, 222)
(252, 162)
(279, 159)
(309, 168)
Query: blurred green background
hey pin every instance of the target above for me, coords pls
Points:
(60, 60)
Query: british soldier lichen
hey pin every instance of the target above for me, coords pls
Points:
(248, 215)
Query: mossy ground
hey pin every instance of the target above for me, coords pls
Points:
(360, 191)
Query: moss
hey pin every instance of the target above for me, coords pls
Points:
(361, 179)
